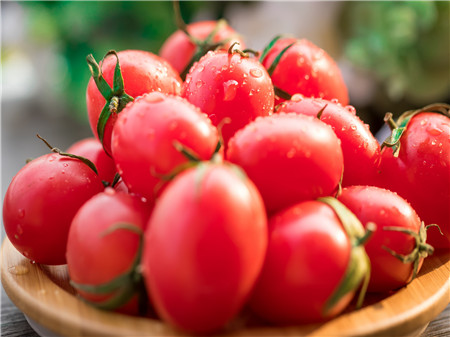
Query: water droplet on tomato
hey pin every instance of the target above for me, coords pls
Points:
(334, 100)
(350, 108)
(230, 89)
(18, 270)
(291, 153)
(199, 84)
(423, 122)
(434, 131)
(433, 142)
(21, 213)
(306, 77)
(256, 73)
(344, 128)
(200, 68)
(297, 97)
(51, 178)
(109, 191)
(155, 97)
(300, 61)
(353, 127)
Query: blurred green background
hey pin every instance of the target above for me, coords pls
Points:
(399, 50)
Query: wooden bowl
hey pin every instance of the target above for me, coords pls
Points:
(45, 296)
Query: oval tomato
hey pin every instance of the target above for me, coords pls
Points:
(145, 137)
(181, 52)
(227, 85)
(420, 172)
(92, 149)
(308, 262)
(391, 214)
(201, 261)
(305, 69)
(141, 72)
(40, 203)
(105, 243)
(360, 148)
(289, 157)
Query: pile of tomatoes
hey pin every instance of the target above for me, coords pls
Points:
(221, 178)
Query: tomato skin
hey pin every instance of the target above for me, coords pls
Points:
(144, 135)
(306, 69)
(289, 157)
(360, 148)
(307, 256)
(92, 149)
(178, 49)
(384, 208)
(421, 172)
(40, 203)
(201, 262)
(225, 85)
(142, 72)
(95, 256)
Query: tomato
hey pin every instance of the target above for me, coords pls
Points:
(92, 149)
(201, 261)
(104, 243)
(388, 211)
(307, 264)
(289, 157)
(305, 69)
(145, 137)
(181, 51)
(360, 148)
(41, 201)
(227, 85)
(420, 172)
(141, 72)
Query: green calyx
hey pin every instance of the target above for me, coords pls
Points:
(124, 286)
(398, 127)
(116, 97)
(358, 269)
(421, 249)
(86, 161)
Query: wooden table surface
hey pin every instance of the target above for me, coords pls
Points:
(14, 324)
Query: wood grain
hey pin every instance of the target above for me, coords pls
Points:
(43, 293)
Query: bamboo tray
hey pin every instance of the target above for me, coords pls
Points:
(44, 295)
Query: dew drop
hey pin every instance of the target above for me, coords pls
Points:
(434, 131)
(21, 213)
(66, 165)
(230, 88)
(256, 73)
(334, 100)
(353, 127)
(350, 108)
(306, 77)
(433, 142)
(297, 97)
(199, 84)
(291, 153)
(155, 97)
(423, 122)
(200, 67)
(109, 191)
(18, 270)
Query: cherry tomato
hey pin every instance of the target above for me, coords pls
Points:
(92, 149)
(227, 85)
(105, 243)
(289, 157)
(204, 247)
(141, 72)
(420, 172)
(305, 69)
(40, 203)
(308, 257)
(146, 135)
(360, 148)
(180, 51)
(392, 215)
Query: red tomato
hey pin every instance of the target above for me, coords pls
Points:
(421, 172)
(360, 148)
(201, 261)
(305, 69)
(40, 203)
(386, 209)
(289, 157)
(92, 149)
(180, 51)
(229, 85)
(142, 72)
(145, 135)
(104, 245)
(307, 258)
